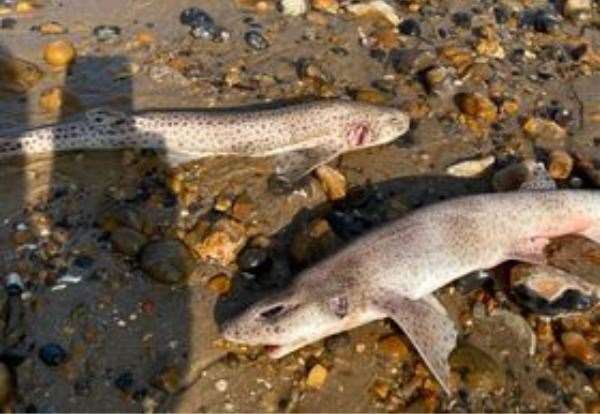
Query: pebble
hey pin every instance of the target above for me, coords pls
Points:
(223, 242)
(254, 259)
(576, 346)
(195, 17)
(481, 373)
(52, 28)
(560, 164)
(24, 6)
(328, 6)
(471, 168)
(166, 261)
(370, 96)
(439, 81)
(221, 385)
(18, 75)
(477, 106)
(308, 69)
(293, 7)
(52, 354)
(577, 9)
(375, 7)
(58, 100)
(256, 40)
(59, 53)
(544, 128)
(381, 389)
(316, 377)
(410, 27)
(220, 284)
(107, 33)
(144, 38)
(540, 20)
(214, 33)
(490, 48)
(128, 241)
(394, 348)
(459, 58)
(333, 182)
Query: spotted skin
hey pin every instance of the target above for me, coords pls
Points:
(186, 136)
(392, 271)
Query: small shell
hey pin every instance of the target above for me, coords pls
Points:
(471, 168)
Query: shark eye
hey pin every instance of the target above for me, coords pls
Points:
(272, 311)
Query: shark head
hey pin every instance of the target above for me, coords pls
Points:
(297, 316)
(370, 125)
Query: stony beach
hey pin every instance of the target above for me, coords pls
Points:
(117, 268)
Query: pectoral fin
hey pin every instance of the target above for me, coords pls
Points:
(428, 326)
(105, 117)
(291, 166)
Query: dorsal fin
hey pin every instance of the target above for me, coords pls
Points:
(105, 117)
(538, 179)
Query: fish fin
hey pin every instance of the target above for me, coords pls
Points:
(530, 250)
(176, 158)
(539, 179)
(292, 166)
(430, 329)
(105, 117)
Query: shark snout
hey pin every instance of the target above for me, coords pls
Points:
(229, 331)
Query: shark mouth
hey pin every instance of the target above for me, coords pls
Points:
(359, 134)
(271, 348)
(279, 351)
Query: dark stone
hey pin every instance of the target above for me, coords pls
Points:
(501, 14)
(462, 19)
(195, 17)
(256, 40)
(410, 27)
(255, 260)
(540, 20)
(52, 354)
(124, 382)
(83, 262)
